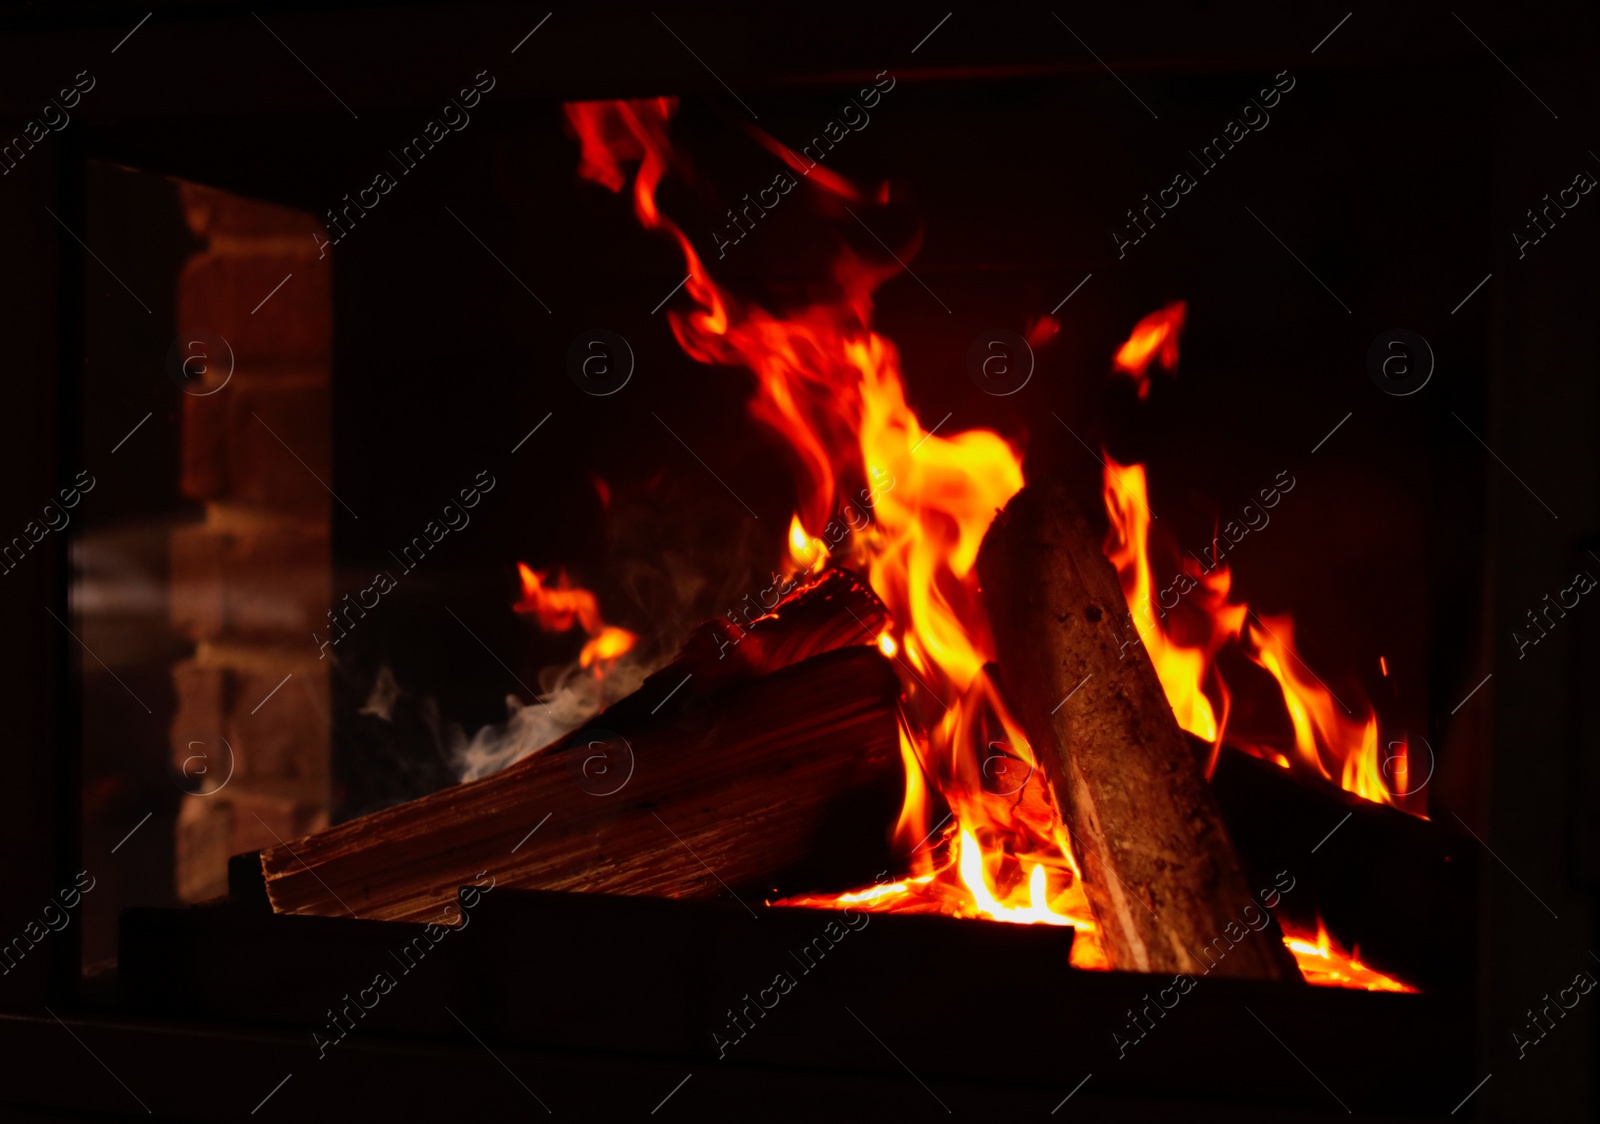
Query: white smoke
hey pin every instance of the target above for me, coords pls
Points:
(576, 695)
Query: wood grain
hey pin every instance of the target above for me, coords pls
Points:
(1159, 869)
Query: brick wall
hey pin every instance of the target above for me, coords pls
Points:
(253, 577)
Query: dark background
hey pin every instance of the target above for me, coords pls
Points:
(1394, 169)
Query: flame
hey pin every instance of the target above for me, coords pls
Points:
(1319, 719)
(978, 828)
(1182, 667)
(1185, 619)
(608, 645)
(1322, 961)
(1042, 331)
(557, 608)
(979, 834)
(807, 551)
(829, 181)
(1154, 338)
(1037, 911)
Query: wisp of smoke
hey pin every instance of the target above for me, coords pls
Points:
(577, 695)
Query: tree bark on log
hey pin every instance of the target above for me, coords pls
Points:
(1167, 889)
(748, 763)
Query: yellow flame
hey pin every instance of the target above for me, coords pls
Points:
(1181, 669)
(1323, 962)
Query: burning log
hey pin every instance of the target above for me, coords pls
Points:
(1159, 869)
(1381, 880)
(719, 774)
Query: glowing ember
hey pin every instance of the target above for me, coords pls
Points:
(1323, 962)
(557, 608)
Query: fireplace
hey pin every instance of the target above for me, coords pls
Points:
(1019, 564)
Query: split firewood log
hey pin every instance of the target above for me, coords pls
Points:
(1167, 889)
(764, 759)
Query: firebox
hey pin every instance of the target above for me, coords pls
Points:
(699, 562)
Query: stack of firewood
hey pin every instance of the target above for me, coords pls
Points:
(765, 760)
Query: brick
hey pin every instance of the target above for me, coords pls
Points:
(199, 722)
(220, 291)
(235, 725)
(212, 829)
(205, 447)
(287, 741)
(261, 820)
(230, 451)
(269, 580)
(254, 579)
(205, 837)
(271, 424)
(194, 594)
(212, 212)
(277, 581)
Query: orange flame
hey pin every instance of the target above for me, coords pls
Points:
(1154, 338)
(1322, 961)
(980, 832)
(1183, 668)
(1185, 623)
(560, 607)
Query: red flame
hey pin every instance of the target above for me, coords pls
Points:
(827, 180)
(1042, 331)
(560, 607)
